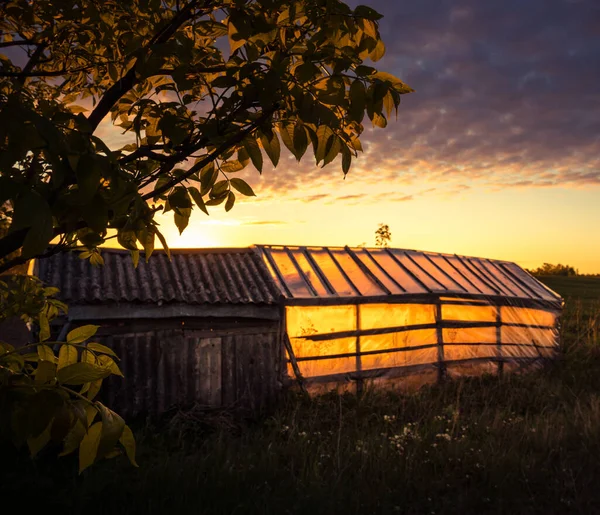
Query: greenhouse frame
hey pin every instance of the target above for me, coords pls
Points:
(392, 316)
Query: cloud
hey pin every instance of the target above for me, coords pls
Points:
(506, 96)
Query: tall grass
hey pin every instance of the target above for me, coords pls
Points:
(525, 443)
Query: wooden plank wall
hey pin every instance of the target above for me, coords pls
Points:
(167, 369)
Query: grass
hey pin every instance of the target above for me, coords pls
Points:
(519, 444)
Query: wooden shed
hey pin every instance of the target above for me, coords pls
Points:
(232, 327)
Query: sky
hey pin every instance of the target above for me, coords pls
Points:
(496, 154)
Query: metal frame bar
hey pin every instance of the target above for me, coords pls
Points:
(341, 269)
(311, 288)
(395, 350)
(464, 262)
(507, 285)
(365, 270)
(441, 324)
(509, 279)
(508, 272)
(445, 273)
(318, 271)
(401, 265)
(277, 272)
(490, 277)
(461, 274)
(378, 265)
(424, 271)
(424, 298)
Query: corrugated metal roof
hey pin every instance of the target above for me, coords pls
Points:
(229, 276)
(328, 272)
(265, 273)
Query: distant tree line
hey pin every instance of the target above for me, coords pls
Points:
(550, 269)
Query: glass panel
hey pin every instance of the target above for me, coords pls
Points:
(323, 367)
(530, 281)
(455, 352)
(399, 359)
(310, 274)
(469, 313)
(306, 348)
(542, 337)
(272, 272)
(489, 277)
(433, 270)
(474, 278)
(470, 335)
(365, 285)
(514, 351)
(452, 272)
(398, 340)
(400, 275)
(527, 316)
(377, 272)
(332, 272)
(305, 320)
(432, 284)
(290, 274)
(378, 316)
(504, 279)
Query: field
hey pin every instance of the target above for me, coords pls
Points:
(517, 444)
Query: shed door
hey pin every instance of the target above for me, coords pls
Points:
(164, 369)
(207, 370)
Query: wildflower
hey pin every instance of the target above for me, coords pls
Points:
(302, 434)
(444, 436)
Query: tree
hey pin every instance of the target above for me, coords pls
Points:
(383, 236)
(195, 111)
(550, 269)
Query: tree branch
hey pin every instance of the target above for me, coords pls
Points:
(122, 86)
(213, 155)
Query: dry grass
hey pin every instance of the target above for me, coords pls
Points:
(520, 444)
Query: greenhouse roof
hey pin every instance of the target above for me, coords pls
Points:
(305, 273)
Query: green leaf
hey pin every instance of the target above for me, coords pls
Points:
(93, 389)
(37, 443)
(182, 218)
(101, 349)
(44, 327)
(73, 438)
(197, 197)
(135, 257)
(89, 446)
(300, 141)
(67, 355)
(364, 11)
(108, 362)
(230, 201)
(112, 429)
(81, 373)
(251, 146)
(82, 333)
(378, 52)
(324, 134)
(243, 187)
(127, 440)
(163, 243)
(45, 372)
(271, 146)
(46, 354)
(346, 159)
(358, 100)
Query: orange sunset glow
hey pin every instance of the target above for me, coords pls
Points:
(496, 153)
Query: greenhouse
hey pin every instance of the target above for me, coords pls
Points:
(232, 328)
(392, 316)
